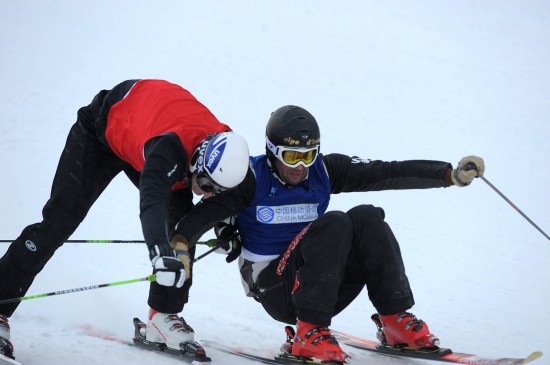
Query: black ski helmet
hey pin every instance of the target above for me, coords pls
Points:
(292, 126)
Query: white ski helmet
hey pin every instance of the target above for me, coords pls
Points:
(223, 157)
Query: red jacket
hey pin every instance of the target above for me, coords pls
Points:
(152, 108)
(155, 126)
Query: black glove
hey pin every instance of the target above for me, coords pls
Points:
(168, 269)
(226, 231)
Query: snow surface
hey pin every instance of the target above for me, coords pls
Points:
(390, 80)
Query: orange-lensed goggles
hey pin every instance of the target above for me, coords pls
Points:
(294, 157)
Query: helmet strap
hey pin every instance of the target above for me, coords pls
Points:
(271, 164)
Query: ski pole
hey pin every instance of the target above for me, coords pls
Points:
(471, 166)
(90, 241)
(214, 248)
(151, 277)
(514, 206)
(12, 300)
(102, 241)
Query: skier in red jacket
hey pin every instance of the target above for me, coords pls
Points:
(170, 146)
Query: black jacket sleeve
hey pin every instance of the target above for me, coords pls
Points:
(348, 174)
(165, 164)
(208, 212)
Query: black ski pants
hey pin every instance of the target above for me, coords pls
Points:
(330, 262)
(86, 167)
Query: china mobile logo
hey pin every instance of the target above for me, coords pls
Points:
(265, 214)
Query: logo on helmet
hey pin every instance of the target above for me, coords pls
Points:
(214, 152)
(289, 141)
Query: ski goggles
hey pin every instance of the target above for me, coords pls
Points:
(207, 185)
(294, 156)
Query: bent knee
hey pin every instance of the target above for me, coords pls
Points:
(366, 212)
(337, 218)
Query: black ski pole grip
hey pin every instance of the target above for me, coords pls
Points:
(470, 166)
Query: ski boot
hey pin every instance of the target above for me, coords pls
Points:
(6, 348)
(312, 341)
(168, 333)
(404, 330)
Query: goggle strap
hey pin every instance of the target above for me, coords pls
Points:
(196, 164)
(271, 146)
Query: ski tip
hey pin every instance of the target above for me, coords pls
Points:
(535, 355)
(4, 359)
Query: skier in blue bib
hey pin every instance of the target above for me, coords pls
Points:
(304, 264)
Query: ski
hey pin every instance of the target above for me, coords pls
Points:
(440, 354)
(189, 351)
(141, 343)
(239, 352)
(6, 353)
(8, 360)
(282, 359)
